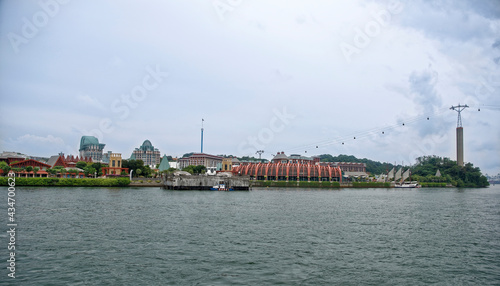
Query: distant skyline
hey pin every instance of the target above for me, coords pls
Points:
(373, 79)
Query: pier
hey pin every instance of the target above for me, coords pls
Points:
(205, 182)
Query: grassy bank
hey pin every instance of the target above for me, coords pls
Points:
(68, 182)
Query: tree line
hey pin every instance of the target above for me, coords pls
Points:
(426, 168)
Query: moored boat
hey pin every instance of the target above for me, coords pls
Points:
(221, 187)
(412, 184)
(402, 183)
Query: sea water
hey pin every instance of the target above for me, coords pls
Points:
(150, 236)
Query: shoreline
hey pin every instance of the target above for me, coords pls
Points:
(155, 182)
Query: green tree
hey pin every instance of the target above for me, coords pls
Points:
(5, 168)
(92, 171)
(170, 170)
(134, 166)
(35, 171)
(146, 171)
(187, 155)
(373, 167)
(98, 166)
(29, 169)
(81, 165)
(200, 169)
(252, 159)
(195, 169)
(466, 176)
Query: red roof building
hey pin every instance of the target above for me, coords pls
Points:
(68, 161)
(31, 163)
(289, 171)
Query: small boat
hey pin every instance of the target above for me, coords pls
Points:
(413, 184)
(221, 187)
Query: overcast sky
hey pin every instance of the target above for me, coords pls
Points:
(304, 77)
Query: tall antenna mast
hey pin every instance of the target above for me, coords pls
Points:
(202, 135)
(460, 134)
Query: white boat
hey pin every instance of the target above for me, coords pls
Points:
(404, 184)
(413, 184)
(221, 187)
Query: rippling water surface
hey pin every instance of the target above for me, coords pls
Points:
(149, 236)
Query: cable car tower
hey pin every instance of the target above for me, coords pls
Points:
(460, 134)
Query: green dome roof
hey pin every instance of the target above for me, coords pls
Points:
(89, 140)
(147, 146)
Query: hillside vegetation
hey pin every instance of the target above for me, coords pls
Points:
(467, 176)
(424, 170)
(372, 167)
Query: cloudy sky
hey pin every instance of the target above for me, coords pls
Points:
(304, 77)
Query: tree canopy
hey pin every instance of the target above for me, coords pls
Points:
(187, 155)
(200, 169)
(252, 159)
(467, 176)
(138, 168)
(81, 165)
(372, 167)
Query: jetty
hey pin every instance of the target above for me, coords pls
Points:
(186, 181)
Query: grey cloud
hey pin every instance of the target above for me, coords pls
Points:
(423, 90)
(422, 85)
(456, 20)
(496, 44)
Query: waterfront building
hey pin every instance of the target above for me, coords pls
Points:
(25, 174)
(196, 159)
(235, 162)
(227, 164)
(147, 153)
(288, 171)
(114, 166)
(90, 147)
(174, 164)
(106, 157)
(31, 163)
(350, 169)
(19, 168)
(294, 158)
(10, 157)
(300, 168)
(67, 162)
